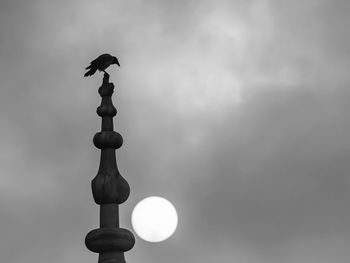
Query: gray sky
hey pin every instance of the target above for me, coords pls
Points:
(235, 111)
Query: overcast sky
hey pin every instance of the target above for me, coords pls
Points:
(236, 111)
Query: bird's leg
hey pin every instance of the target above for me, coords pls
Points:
(105, 73)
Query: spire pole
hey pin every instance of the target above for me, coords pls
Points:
(109, 188)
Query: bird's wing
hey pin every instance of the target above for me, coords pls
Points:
(100, 61)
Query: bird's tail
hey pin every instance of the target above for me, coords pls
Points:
(90, 72)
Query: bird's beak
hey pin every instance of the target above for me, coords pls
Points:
(116, 61)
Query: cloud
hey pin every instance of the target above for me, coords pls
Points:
(235, 111)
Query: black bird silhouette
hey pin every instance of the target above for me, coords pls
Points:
(101, 63)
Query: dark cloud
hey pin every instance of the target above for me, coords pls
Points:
(234, 111)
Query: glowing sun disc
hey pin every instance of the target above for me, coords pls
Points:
(154, 219)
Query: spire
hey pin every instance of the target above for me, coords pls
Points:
(109, 188)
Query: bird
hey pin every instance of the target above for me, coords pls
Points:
(101, 63)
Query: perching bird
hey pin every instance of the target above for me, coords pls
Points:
(101, 63)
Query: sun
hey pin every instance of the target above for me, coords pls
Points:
(154, 219)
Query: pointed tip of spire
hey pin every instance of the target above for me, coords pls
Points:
(105, 78)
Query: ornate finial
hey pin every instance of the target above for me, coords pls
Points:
(109, 188)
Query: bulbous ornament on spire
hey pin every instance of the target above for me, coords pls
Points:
(109, 188)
